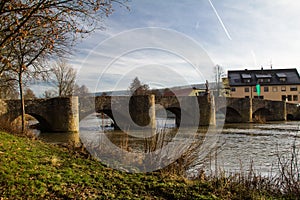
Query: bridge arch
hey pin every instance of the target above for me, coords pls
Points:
(177, 112)
(43, 123)
(106, 112)
(109, 114)
(231, 114)
(290, 117)
(261, 115)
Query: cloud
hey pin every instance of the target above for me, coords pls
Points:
(261, 32)
(267, 28)
(141, 48)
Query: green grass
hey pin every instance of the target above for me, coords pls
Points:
(31, 169)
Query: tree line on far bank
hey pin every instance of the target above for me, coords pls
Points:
(61, 80)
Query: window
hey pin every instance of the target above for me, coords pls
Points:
(283, 88)
(247, 80)
(289, 98)
(266, 89)
(283, 97)
(254, 89)
(282, 79)
(263, 78)
(247, 97)
(274, 89)
(246, 89)
(233, 89)
(295, 97)
(281, 76)
(293, 88)
(260, 80)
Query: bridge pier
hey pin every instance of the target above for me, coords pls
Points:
(152, 112)
(284, 111)
(213, 120)
(64, 114)
(251, 110)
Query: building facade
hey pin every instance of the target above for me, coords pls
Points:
(274, 84)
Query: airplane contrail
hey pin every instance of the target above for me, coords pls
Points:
(220, 20)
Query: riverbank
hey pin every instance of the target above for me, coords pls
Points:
(31, 169)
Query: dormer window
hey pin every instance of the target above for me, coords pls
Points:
(281, 77)
(246, 78)
(263, 78)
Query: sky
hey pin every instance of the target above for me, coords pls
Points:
(174, 42)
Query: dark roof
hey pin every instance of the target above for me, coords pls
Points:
(264, 77)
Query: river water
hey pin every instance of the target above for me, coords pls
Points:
(237, 146)
(241, 146)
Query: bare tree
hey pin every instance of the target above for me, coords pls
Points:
(69, 16)
(8, 87)
(81, 90)
(50, 94)
(29, 94)
(65, 77)
(26, 62)
(138, 88)
(33, 31)
(218, 73)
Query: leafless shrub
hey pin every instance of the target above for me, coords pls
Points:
(288, 178)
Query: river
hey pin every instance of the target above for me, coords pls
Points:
(238, 146)
(241, 146)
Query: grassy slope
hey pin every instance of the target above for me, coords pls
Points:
(30, 169)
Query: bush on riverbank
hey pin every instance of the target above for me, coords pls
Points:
(31, 169)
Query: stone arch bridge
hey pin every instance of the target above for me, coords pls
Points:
(54, 115)
(134, 111)
(64, 114)
(249, 110)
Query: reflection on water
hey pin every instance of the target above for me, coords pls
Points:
(60, 138)
(239, 145)
(141, 150)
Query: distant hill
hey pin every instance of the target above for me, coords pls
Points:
(161, 90)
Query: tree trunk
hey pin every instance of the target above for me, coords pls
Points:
(22, 102)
